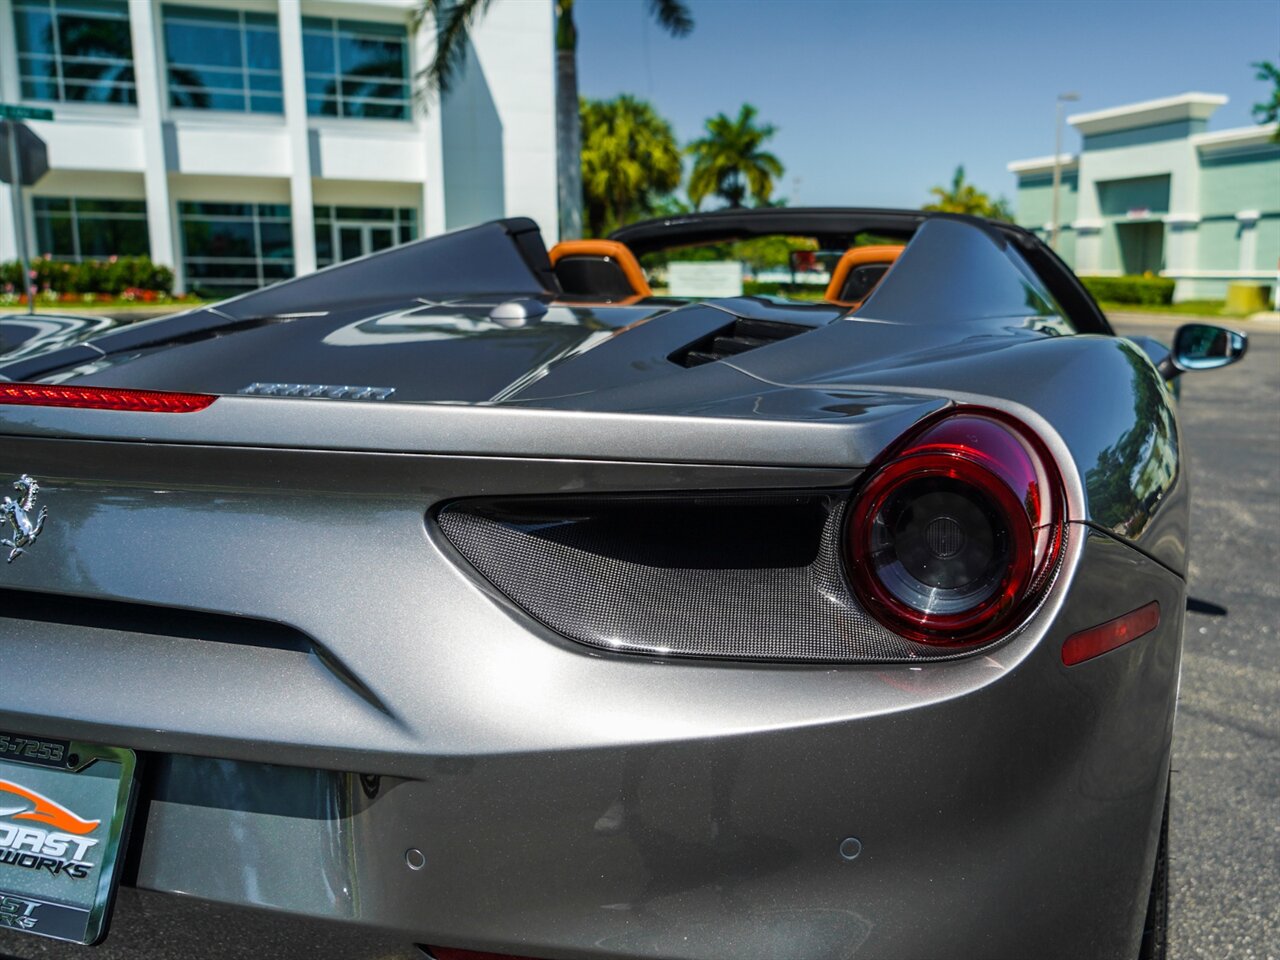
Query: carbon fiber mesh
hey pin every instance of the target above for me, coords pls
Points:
(745, 578)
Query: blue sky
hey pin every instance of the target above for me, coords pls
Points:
(877, 101)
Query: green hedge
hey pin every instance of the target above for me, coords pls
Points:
(799, 291)
(113, 277)
(1151, 291)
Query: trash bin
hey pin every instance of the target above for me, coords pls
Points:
(1248, 297)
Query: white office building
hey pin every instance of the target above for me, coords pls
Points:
(243, 141)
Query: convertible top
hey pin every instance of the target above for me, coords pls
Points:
(839, 226)
(719, 226)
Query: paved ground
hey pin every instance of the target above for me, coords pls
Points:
(1225, 827)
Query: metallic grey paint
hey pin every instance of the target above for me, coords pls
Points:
(25, 335)
(571, 803)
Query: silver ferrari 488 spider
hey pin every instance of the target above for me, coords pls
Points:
(474, 600)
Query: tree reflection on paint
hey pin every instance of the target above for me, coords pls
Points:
(1133, 474)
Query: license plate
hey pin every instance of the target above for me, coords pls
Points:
(63, 811)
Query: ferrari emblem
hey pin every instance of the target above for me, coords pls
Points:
(18, 515)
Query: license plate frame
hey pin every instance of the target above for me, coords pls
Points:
(58, 874)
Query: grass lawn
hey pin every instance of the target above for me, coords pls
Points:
(1195, 308)
(112, 308)
(814, 296)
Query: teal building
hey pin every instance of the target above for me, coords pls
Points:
(1153, 190)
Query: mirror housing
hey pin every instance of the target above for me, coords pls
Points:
(1203, 346)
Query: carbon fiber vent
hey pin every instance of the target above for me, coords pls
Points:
(729, 576)
(738, 337)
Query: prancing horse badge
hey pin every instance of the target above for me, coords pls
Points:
(18, 515)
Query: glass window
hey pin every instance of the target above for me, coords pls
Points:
(365, 213)
(230, 248)
(75, 229)
(75, 50)
(408, 226)
(343, 233)
(221, 59)
(356, 69)
(55, 235)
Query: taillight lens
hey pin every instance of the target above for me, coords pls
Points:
(103, 398)
(955, 536)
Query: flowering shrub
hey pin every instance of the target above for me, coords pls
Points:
(135, 294)
(106, 279)
(10, 297)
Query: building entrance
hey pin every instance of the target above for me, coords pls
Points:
(1141, 247)
(344, 233)
(359, 239)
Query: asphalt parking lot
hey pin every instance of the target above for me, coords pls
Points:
(1225, 819)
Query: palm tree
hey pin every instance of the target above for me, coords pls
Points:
(630, 160)
(1000, 209)
(454, 21)
(730, 163)
(964, 197)
(961, 197)
(1268, 111)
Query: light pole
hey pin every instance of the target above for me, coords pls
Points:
(1057, 164)
(19, 217)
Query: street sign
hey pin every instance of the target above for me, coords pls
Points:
(33, 158)
(13, 111)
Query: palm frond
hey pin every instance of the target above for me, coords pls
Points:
(1268, 111)
(454, 20)
(770, 163)
(673, 16)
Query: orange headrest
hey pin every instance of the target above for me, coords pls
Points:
(610, 250)
(858, 257)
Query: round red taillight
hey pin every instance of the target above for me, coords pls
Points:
(953, 538)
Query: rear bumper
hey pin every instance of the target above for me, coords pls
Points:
(1006, 807)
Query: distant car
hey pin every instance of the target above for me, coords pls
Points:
(470, 600)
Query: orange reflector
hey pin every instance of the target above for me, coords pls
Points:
(103, 398)
(1096, 641)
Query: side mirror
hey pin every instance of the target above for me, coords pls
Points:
(1203, 346)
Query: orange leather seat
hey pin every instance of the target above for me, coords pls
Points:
(858, 272)
(604, 269)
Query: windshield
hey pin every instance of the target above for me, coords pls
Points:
(788, 266)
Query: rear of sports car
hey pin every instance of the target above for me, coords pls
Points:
(718, 664)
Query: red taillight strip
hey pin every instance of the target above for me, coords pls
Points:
(103, 398)
(1098, 640)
